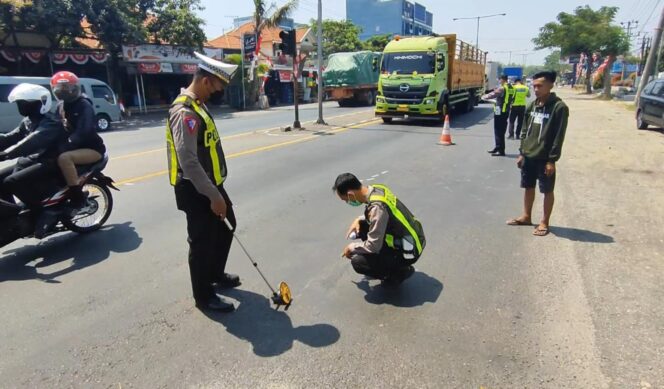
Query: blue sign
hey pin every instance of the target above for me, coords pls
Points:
(628, 68)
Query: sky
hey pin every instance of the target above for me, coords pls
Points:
(498, 35)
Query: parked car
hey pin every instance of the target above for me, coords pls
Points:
(107, 109)
(651, 105)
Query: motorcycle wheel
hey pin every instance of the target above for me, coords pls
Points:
(95, 213)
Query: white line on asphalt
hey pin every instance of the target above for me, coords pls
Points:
(333, 130)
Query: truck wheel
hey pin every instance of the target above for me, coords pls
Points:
(387, 120)
(342, 103)
(444, 110)
(370, 98)
(470, 106)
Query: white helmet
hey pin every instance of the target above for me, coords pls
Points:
(31, 92)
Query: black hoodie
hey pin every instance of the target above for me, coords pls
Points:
(545, 130)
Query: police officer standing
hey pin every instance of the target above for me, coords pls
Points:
(502, 96)
(518, 109)
(197, 170)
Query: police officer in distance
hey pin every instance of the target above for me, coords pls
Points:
(518, 110)
(197, 170)
(502, 97)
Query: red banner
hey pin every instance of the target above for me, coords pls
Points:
(34, 56)
(8, 55)
(188, 68)
(285, 76)
(99, 57)
(149, 67)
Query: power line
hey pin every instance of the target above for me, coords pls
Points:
(634, 8)
(650, 16)
(312, 6)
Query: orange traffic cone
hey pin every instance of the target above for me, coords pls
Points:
(445, 136)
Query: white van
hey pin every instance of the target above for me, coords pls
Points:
(103, 99)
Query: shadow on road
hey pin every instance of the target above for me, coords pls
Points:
(269, 331)
(578, 235)
(83, 250)
(420, 288)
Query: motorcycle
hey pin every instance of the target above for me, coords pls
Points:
(17, 221)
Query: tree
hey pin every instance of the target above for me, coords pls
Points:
(59, 21)
(552, 62)
(263, 20)
(118, 22)
(377, 42)
(586, 31)
(174, 22)
(340, 36)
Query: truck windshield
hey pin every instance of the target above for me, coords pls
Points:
(407, 63)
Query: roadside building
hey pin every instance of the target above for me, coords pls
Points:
(380, 17)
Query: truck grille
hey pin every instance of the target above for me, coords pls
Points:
(414, 95)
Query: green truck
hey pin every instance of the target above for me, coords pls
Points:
(426, 77)
(352, 78)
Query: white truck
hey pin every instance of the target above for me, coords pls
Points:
(491, 73)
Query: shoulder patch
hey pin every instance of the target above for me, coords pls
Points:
(191, 123)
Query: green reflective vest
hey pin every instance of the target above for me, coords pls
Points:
(402, 224)
(521, 93)
(509, 94)
(209, 151)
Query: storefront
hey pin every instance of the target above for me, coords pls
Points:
(154, 74)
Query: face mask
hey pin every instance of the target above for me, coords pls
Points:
(354, 202)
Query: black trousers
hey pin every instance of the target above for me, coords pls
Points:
(208, 236)
(29, 181)
(5, 194)
(381, 265)
(499, 128)
(516, 114)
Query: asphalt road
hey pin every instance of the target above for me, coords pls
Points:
(485, 308)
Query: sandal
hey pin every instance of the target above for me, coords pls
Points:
(541, 231)
(519, 222)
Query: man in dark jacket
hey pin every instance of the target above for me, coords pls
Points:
(541, 146)
(35, 142)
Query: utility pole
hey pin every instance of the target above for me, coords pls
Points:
(509, 61)
(477, 37)
(629, 25)
(654, 52)
(319, 79)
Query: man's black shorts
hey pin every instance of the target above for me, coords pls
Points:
(532, 171)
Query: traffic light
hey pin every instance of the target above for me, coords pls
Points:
(288, 44)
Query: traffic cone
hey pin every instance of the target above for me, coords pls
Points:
(446, 136)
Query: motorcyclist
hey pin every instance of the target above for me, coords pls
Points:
(36, 142)
(84, 145)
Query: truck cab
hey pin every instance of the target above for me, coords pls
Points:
(419, 80)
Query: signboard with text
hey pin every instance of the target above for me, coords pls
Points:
(164, 53)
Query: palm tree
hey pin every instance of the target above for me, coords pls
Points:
(262, 21)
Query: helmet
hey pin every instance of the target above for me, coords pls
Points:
(65, 86)
(31, 93)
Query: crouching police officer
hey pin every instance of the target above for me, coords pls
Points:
(197, 170)
(391, 238)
